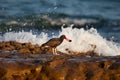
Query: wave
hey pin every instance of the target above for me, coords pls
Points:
(48, 21)
(81, 40)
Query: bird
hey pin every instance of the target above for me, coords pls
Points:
(54, 42)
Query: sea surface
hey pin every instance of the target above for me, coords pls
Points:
(84, 21)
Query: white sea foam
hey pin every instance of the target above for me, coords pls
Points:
(81, 40)
(24, 37)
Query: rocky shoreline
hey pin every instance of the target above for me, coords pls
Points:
(24, 61)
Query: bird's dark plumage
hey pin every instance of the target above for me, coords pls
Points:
(54, 42)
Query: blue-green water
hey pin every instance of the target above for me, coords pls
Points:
(104, 15)
(102, 8)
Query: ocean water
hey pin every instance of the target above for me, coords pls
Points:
(103, 8)
(36, 21)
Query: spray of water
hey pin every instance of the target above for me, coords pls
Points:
(81, 40)
(24, 37)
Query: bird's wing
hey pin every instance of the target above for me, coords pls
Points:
(52, 42)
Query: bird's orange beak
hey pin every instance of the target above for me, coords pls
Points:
(68, 39)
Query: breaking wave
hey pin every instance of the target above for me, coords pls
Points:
(81, 40)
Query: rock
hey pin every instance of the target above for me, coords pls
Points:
(24, 50)
(19, 47)
(24, 61)
(58, 67)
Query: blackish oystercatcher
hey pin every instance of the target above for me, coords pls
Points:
(54, 42)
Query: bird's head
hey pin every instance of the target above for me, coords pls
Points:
(64, 37)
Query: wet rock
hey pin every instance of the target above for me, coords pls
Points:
(24, 61)
(24, 50)
(19, 47)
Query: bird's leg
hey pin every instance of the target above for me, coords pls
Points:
(55, 50)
